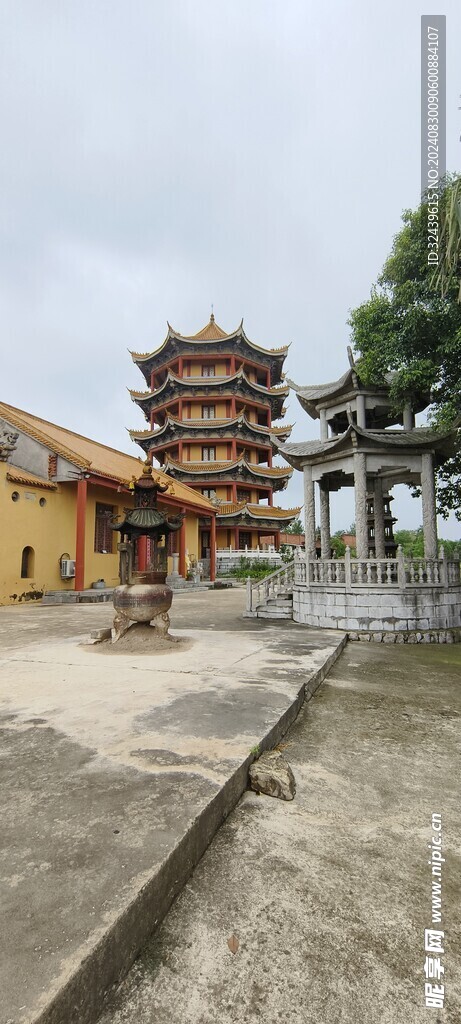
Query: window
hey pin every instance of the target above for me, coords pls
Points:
(208, 412)
(208, 371)
(103, 535)
(208, 454)
(208, 492)
(243, 495)
(27, 563)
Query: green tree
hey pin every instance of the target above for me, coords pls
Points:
(411, 326)
(411, 542)
(295, 527)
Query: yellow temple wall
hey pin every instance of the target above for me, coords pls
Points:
(196, 408)
(196, 367)
(98, 565)
(49, 531)
(192, 537)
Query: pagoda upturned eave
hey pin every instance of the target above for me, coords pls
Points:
(313, 398)
(211, 337)
(269, 517)
(275, 477)
(223, 429)
(257, 512)
(356, 439)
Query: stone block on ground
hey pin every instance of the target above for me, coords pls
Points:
(271, 774)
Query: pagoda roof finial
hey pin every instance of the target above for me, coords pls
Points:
(212, 314)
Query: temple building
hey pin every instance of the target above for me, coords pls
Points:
(59, 493)
(211, 403)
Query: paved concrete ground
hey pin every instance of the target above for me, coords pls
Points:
(115, 774)
(329, 895)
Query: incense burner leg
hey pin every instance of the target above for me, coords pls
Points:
(120, 627)
(162, 623)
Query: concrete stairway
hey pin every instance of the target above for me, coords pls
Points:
(271, 597)
(280, 607)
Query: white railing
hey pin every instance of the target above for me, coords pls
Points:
(399, 572)
(273, 586)
(229, 558)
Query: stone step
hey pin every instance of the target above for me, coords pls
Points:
(264, 612)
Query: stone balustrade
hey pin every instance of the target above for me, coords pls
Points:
(272, 586)
(389, 594)
(400, 572)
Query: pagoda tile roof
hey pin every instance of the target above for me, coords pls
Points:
(257, 511)
(192, 382)
(275, 472)
(315, 392)
(22, 476)
(209, 424)
(91, 456)
(419, 437)
(210, 333)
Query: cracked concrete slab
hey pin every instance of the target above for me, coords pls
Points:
(116, 773)
(328, 895)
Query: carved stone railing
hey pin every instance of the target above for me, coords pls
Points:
(272, 586)
(399, 572)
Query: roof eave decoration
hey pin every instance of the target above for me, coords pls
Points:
(200, 339)
(208, 382)
(257, 512)
(273, 472)
(301, 453)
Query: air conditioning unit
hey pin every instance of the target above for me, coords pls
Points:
(67, 568)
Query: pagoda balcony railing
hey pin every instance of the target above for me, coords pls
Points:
(399, 573)
(277, 584)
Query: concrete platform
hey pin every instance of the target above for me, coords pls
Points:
(329, 895)
(116, 773)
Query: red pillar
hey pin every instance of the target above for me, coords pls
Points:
(233, 408)
(180, 367)
(213, 549)
(234, 492)
(269, 458)
(232, 366)
(234, 448)
(236, 539)
(277, 540)
(142, 554)
(82, 489)
(268, 381)
(182, 548)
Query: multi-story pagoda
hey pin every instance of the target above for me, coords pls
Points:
(390, 544)
(211, 405)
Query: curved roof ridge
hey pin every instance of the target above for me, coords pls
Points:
(209, 333)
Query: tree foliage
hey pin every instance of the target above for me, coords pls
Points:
(295, 527)
(411, 325)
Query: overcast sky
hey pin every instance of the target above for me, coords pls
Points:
(158, 156)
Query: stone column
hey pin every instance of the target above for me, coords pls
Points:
(408, 417)
(378, 506)
(323, 425)
(361, 413)
(309, 512)
(428, 502)
(325, 519)
(360, 488)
